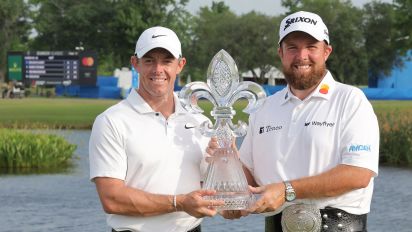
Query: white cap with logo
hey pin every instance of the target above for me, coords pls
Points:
(158, 37)
(307, 22)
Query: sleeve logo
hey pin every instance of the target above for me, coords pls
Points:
(356, 148)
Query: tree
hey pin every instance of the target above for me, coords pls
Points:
(403, 19)
(110, 27)
(132, 17)
(249, 39)
(380, 40)
(15, 29)
(257, 43)
(67, 24)
(210, 33)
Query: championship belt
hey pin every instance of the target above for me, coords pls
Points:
(301, 218)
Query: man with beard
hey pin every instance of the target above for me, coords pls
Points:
(312, 148)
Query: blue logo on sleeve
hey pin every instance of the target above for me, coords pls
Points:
(356, 148)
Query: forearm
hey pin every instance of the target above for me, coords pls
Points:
(335, 182)
(118, 198)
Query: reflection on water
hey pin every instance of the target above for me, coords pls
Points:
(68, 201)
(37, 171)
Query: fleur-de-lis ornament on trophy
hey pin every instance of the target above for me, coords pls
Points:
(225, 173)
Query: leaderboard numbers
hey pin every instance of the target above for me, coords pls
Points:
(71, 69)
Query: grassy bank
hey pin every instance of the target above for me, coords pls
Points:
(65, 113)
(47, 113)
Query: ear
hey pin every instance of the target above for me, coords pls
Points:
(181, 65)
(280, 51)
(134, 62)
(328, 51)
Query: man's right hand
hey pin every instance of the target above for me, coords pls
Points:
(194, 204)
(214, 145)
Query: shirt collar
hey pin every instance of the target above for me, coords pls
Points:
(141, 106)
(287, 95)
(179, 109)
(323, 90)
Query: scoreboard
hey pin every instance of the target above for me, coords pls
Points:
(53, 67)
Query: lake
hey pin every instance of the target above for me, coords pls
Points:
(68, 201)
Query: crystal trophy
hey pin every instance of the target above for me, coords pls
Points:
(225, 173)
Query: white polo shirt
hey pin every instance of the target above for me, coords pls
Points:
(131, 142)
(289, 139)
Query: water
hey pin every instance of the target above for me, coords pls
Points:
(69, 202)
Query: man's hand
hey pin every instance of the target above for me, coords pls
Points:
(214, 145)
(272, 197)
(194, 204)
(233, 214)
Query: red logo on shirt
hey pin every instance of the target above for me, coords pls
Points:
(324, 88)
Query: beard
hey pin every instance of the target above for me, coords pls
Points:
(302, 81)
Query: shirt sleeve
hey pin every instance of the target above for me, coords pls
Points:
(360, 134)
(107, 157)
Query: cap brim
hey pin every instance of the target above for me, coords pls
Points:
(317, 37)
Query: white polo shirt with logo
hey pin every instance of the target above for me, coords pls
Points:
(131, 142)
(289, 138)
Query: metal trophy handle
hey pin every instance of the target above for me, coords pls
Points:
(225, 172)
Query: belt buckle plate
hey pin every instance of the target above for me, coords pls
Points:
(301, 218)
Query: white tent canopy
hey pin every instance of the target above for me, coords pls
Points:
(273, 74)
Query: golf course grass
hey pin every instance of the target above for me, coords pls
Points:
(75, 113)
(51, 113)
(66, 113)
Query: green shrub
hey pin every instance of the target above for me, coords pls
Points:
(21, 150)
(396, 138)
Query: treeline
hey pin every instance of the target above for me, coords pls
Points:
(368, 41)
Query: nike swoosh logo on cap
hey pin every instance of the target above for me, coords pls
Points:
(155, 36)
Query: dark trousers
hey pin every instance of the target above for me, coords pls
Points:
(332, 220)
(273, 223)
(196, 229)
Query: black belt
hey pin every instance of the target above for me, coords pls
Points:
(196, 229)
(333, 219)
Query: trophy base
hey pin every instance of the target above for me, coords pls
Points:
(233, 200)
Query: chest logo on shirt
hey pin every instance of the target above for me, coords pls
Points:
(324, 89)
(189, 126)
(320, 124)
(269, 128)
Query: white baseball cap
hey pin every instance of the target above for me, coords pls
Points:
(158, 37)
(307, 22)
